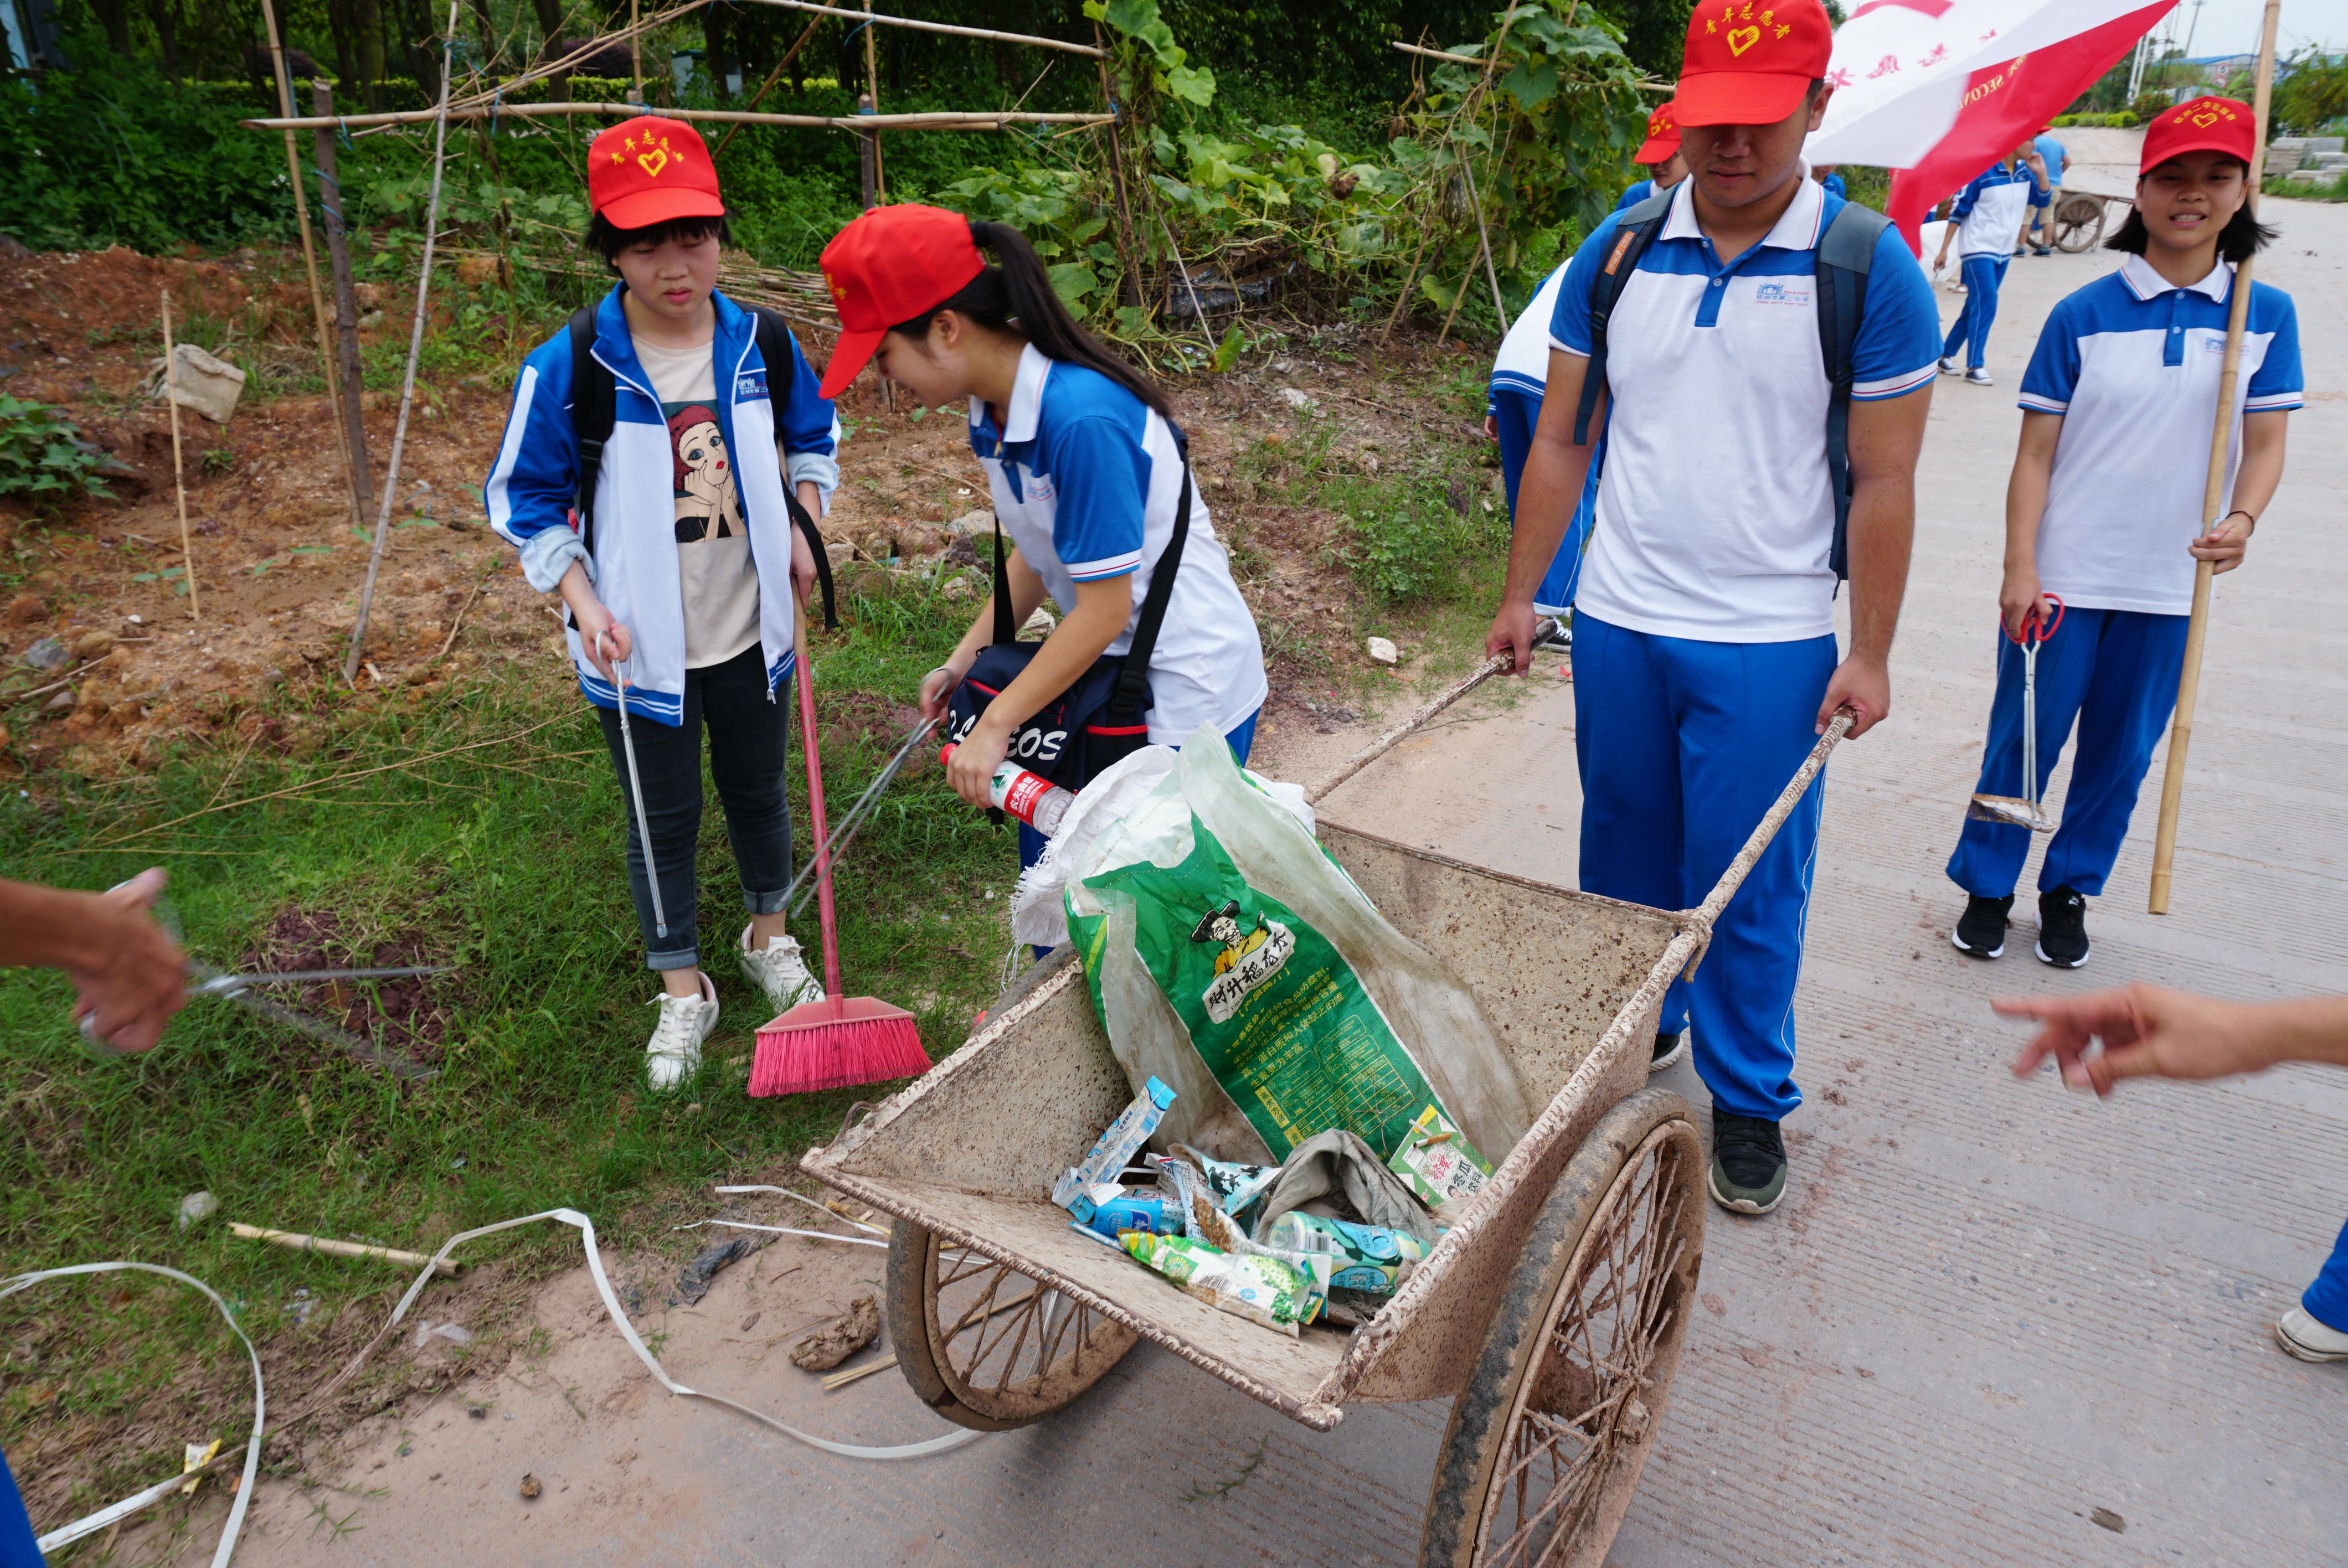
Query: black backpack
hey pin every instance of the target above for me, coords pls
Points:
(594, 409)
(1846, 251)
(1103, 718)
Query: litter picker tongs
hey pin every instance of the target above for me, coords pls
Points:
(844, 830)
(2026, 811)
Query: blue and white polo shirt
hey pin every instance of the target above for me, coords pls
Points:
(1086, 478)
(2132, 363)
(1989, 210)
(1714, 520)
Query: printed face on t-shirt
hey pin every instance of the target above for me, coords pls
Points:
(707, 505)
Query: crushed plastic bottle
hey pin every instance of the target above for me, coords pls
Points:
(1032, 798)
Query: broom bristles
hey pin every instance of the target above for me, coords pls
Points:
(830, 1045)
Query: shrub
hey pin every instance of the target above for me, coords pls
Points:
(42, 455)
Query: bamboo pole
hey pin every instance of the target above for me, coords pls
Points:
(1439, 54)
(986, 33)
(946, 119)
(635, 55)
(301, 1242)
(2213, 493)
(879, 193)
(309, 249)
(558, 68)
(415, 350)
(768, 85)
(346, 308)
(179, 482)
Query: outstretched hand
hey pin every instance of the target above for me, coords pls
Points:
(2146, 1031)
(130, 976)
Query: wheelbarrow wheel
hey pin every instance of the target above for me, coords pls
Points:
(1547, 1440)
(2078, 223)
(982, 1344)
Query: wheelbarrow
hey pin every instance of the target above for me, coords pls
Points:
(1551, 1313)
(2077, 220)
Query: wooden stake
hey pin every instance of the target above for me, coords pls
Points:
(635, 56)
(309, 249)
(872, 91)
(301, 1242)
(179, 484)
(2213, 494)
(346, 307)
(415, 350)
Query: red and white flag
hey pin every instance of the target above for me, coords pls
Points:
(1938, 90)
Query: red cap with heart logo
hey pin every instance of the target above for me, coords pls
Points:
(1663, 134)
(647, 171)
(1749, 62)
(887, 267)
(2205, 125)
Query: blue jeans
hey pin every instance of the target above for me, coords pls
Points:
(2327, 1299)
(1241, 738)
(1682, 748)
(1515, 414)
(1982, 275)
(2113, 673)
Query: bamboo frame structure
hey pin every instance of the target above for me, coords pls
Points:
(2213, 494)
(987, 35)
(944, 120)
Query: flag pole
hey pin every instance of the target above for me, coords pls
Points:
(2213, 498)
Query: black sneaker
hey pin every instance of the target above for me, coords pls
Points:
(1559, 635)
(1669, 1047)
(1980, 931)
(2063, 929)
(1748, 1163)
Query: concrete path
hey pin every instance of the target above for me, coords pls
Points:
(1988, 1310)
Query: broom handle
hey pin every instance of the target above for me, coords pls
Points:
(822, 836)
(2213, 496)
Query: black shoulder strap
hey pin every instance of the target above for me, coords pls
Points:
(1003, 630)
(1132, 697)
(1846, 251)
(774, 336)
(594, 408)
(1632, 235)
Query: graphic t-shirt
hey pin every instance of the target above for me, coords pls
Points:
(713, 547)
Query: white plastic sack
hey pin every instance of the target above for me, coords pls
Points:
(1433, 1015)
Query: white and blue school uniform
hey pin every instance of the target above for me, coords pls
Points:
(1988, 214)
(1519, 381)
(1085, 478)
(1704, 632)
(534, 487)
(2132, 363)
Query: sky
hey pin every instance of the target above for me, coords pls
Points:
(2227, 27)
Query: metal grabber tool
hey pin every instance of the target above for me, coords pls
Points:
(635, 788)
(2026, 811)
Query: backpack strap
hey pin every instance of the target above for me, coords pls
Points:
(1632, 235)
(774, 336)
(594, 409)
(1131, 698)
(1846, 251)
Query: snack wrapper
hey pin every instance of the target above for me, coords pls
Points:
(1437, 1161)
(1368, 1258)
(1111, 1210)
(1116, 1147)
(1261, 1289)
(1232, 1186)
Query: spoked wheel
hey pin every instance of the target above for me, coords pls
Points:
(2078, 223)
(985, 1345)
(1547, 1439)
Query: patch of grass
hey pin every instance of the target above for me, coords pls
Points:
(503, 860)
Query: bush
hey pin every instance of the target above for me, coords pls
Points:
(2124, 119)
(42, 455)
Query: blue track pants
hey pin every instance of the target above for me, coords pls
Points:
(1516, 414)
(16, 1548)
(2327, 1298)
(2114, 672)
(1982, 275)
(1683, 746)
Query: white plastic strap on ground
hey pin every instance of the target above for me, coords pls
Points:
(586, 1228)
(786, 1230)
(811, 1202)
(130, 1505)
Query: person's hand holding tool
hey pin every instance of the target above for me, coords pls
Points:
(937, 687)
(131, 977)
(2225, 544)
(1512, 634)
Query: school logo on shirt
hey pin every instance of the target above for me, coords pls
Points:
(750, 386)
(1040, 489)
(1774, 293)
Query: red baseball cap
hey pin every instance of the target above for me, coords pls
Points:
(2204, 125)
(1749, 62)
(888, 266)
(647, 171)
(1663, 134)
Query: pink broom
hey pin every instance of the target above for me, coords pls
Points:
(839, 1040)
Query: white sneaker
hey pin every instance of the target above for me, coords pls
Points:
(780, 972)
(2299, 1334)
(673, 1054)
(1951, 367)
(1979, 377)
